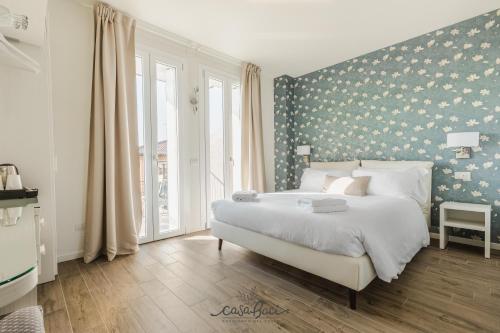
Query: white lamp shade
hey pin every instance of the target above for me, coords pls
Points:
(462, 139)
(304, 150)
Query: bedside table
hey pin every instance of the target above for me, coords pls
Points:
(466, 216)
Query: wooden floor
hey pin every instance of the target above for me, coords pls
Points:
(175, 285)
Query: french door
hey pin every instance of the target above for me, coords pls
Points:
(158, 82)
(222, 139)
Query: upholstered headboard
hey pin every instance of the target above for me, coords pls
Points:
(427, 165)
(374, 164)
(345, 165)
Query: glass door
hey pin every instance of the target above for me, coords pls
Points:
(157, 81)
(222, 101)
(216, 145)
(235, 158)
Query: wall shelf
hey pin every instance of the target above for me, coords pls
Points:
(11, 56)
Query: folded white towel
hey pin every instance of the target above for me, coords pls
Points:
(246, 193)
(328, 209)
(308, 202)
(245, 196)
(245, 199)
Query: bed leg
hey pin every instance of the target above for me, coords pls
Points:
(352, 298)
(220, 244)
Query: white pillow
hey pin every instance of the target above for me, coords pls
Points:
(313, 179)
(339, 185)
(396, 183)
(346, 185)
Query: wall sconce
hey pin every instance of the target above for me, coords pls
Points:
(304, 151)
(463, 141)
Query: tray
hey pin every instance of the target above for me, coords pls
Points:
(18, 194)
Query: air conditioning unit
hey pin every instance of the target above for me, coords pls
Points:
(32, 13)
(21, 21)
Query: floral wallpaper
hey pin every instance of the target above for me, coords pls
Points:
(398, 103)
(284, 134)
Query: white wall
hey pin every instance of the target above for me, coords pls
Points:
(71, 46)
(26, 139)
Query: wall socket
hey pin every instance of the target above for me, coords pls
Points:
(465, 176)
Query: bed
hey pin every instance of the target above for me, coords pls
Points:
(377, 236)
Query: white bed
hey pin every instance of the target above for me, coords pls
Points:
(376, 236)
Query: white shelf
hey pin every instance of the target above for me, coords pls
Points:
(470, 207)
(11, 56)
(465, 216)
(471, 225)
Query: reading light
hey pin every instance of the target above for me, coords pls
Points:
(463, 141)
(304, 151)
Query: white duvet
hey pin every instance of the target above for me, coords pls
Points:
(390, 230)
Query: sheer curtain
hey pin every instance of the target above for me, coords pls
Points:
(113, 211)
(252, 144)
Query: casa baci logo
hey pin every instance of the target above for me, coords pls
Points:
(250, 307)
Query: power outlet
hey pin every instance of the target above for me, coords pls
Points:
(465, 176)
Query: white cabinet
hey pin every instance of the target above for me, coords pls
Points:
(19, 253)
(466, 216)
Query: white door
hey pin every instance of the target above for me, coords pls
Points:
(158, 82)
(222, 139)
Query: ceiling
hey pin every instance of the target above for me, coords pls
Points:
(296, 37)
(291, 37)
(36, 10)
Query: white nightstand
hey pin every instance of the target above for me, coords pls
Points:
(466, 216)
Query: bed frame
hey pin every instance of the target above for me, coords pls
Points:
(353, 273)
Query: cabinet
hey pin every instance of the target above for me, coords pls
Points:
(20, 253)
(466, 216)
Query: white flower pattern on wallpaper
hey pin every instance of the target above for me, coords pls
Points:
(398, 103)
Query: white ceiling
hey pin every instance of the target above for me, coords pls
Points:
(299, 36)
(291, 37)
(36, 10)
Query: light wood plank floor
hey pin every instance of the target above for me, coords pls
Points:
(174, 285)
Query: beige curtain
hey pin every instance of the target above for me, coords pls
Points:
(113, 212)
(252, 144)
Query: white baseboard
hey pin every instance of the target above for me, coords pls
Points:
(70, 256)
(466, 241)
(79, 254)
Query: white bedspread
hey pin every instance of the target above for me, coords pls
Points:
(390, 230)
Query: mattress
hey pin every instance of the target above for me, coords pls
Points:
(390, 230)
